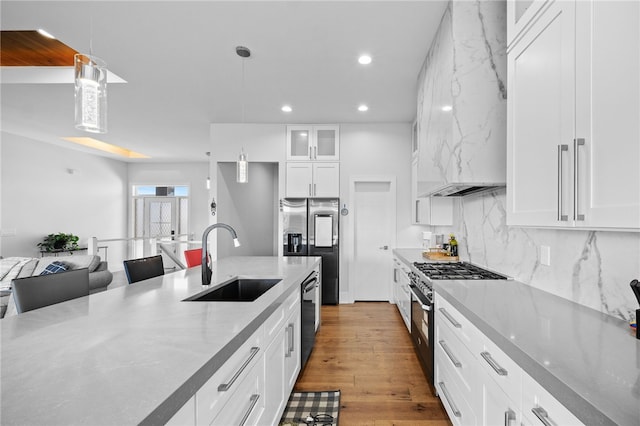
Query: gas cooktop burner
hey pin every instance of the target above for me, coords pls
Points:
(456, 271)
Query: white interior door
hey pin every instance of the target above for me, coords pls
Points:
(374, 208)
(160, 217)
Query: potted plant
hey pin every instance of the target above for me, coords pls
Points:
(59, 241)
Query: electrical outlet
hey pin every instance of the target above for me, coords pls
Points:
(545, 255)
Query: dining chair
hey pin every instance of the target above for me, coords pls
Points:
(193, 257)
(38, 291)
(143, 268)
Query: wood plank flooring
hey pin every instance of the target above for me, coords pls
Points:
(365, 351)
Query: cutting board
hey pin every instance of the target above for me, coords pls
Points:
(440, 256)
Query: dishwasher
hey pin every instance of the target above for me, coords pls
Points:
(308, 314)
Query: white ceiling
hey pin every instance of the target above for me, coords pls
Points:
(182, 72)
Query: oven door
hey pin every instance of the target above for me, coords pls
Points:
(422, 331)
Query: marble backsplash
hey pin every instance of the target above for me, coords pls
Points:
(592, 268)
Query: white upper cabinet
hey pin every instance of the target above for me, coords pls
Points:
(573, 109)
(607, 185)
(311, 179)
(520, 13)
(315, 143)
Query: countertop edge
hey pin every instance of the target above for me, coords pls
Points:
(567, 396)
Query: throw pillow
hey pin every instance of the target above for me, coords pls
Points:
(54, 268)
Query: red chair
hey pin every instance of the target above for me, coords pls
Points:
(193, 257)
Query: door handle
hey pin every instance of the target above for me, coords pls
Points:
(561, 149)
(384, 248)
(576, 179)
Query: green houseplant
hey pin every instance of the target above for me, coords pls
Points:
(59, 241)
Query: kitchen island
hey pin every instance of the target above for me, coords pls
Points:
(133, 354)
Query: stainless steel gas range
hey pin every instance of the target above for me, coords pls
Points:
(422, 314)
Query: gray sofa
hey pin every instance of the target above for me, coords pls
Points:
(15, 267)
(99, 276)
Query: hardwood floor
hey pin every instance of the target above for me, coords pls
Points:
(365, 351)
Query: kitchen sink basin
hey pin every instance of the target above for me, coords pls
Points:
(237, 290)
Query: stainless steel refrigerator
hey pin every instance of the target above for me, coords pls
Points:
(310, 228)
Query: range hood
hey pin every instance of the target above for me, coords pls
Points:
(463, 189)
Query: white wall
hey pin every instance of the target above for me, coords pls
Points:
(40, 196)
(382, 149)
(261, 142)
(250, 208)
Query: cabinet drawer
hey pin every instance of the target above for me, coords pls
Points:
(449, 350)
(537, 403)
(501, 368)
(462, 328)
(248, 401)
(457, 407)
(209, 399)
(291, 303)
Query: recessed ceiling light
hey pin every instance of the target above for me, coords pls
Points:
(364, 59)
(106, 147)
(363, 108)
(45, 34)
(286, 108)
(447, 108)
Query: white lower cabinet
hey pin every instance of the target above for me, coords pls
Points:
(247, 403)
(479, 384)
(253, 385)
(539, 407)
(401, 292)
(222, 386)
(282, 359)
(497, 407)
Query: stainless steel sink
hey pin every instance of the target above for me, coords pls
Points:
(237, 290)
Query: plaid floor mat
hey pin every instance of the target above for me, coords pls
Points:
(312, 408)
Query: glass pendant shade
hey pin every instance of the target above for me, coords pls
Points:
(242, 168)
(90, 93)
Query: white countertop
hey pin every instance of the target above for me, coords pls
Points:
(133, 354)
(587, 360)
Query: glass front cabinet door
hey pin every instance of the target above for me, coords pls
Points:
(313, 143)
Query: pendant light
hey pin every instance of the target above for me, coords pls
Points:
(90, 93)
(208, 153)
(242, 165)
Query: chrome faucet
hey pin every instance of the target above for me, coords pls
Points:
(206, 270)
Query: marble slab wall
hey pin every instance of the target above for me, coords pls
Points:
(465, 68)
(593, 268)
(461, 101)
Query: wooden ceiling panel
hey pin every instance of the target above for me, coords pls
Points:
(30, 48)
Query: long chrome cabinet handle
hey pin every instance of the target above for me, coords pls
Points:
(290, 338)
(448, 316)
(310, 194)
(509, 416)
(315, 152)
(543, 416)
(492, 362)
(455, 410)
(447, 351)
(561, 149)
(315, 192)
(417, 211)
(226, 386)
(252, 403)
(576, 179)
